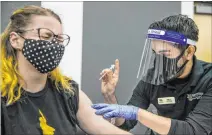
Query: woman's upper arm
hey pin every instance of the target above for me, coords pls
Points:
(92, 123)
(85, 115)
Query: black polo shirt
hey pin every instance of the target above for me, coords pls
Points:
(188, 101)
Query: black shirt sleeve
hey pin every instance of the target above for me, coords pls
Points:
(199, 121)
(75, 87)
(140, 98)
(2, 121)
(74, 100)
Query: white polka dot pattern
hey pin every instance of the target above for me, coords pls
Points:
(43, 55)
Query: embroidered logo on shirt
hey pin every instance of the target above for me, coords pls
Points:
(46, 129)
(194, 96)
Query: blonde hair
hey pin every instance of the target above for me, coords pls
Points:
(9, 84)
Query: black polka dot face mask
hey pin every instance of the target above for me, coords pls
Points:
(45, 56)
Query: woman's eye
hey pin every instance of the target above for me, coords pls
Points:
(45, 37)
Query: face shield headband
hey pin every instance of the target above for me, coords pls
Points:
(160, 59)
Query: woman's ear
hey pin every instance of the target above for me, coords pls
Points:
(189, 53)
(15, 41)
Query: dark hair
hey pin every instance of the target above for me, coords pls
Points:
(179, 23)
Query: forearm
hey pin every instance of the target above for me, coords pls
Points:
(157, 123)
(111, 99)
(162, 125)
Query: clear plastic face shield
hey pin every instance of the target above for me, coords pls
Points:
(160, 59)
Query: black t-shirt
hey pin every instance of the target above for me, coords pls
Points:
(49, 111)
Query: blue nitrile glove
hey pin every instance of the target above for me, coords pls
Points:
(114, 110)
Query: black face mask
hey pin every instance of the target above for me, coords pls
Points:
(170, 69)
(173, 70)
(45, 56)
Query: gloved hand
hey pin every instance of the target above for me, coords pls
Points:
(114, 110)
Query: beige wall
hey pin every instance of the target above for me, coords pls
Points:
(204, 45)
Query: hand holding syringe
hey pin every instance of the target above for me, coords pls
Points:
(111, 68)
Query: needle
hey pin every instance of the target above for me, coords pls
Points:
(111, 68)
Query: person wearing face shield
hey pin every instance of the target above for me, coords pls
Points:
(171, 78)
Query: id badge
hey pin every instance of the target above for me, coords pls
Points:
(166, 100)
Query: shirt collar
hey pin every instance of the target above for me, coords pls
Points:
(196, 72)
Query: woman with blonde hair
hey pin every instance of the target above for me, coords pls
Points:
(35, 97)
